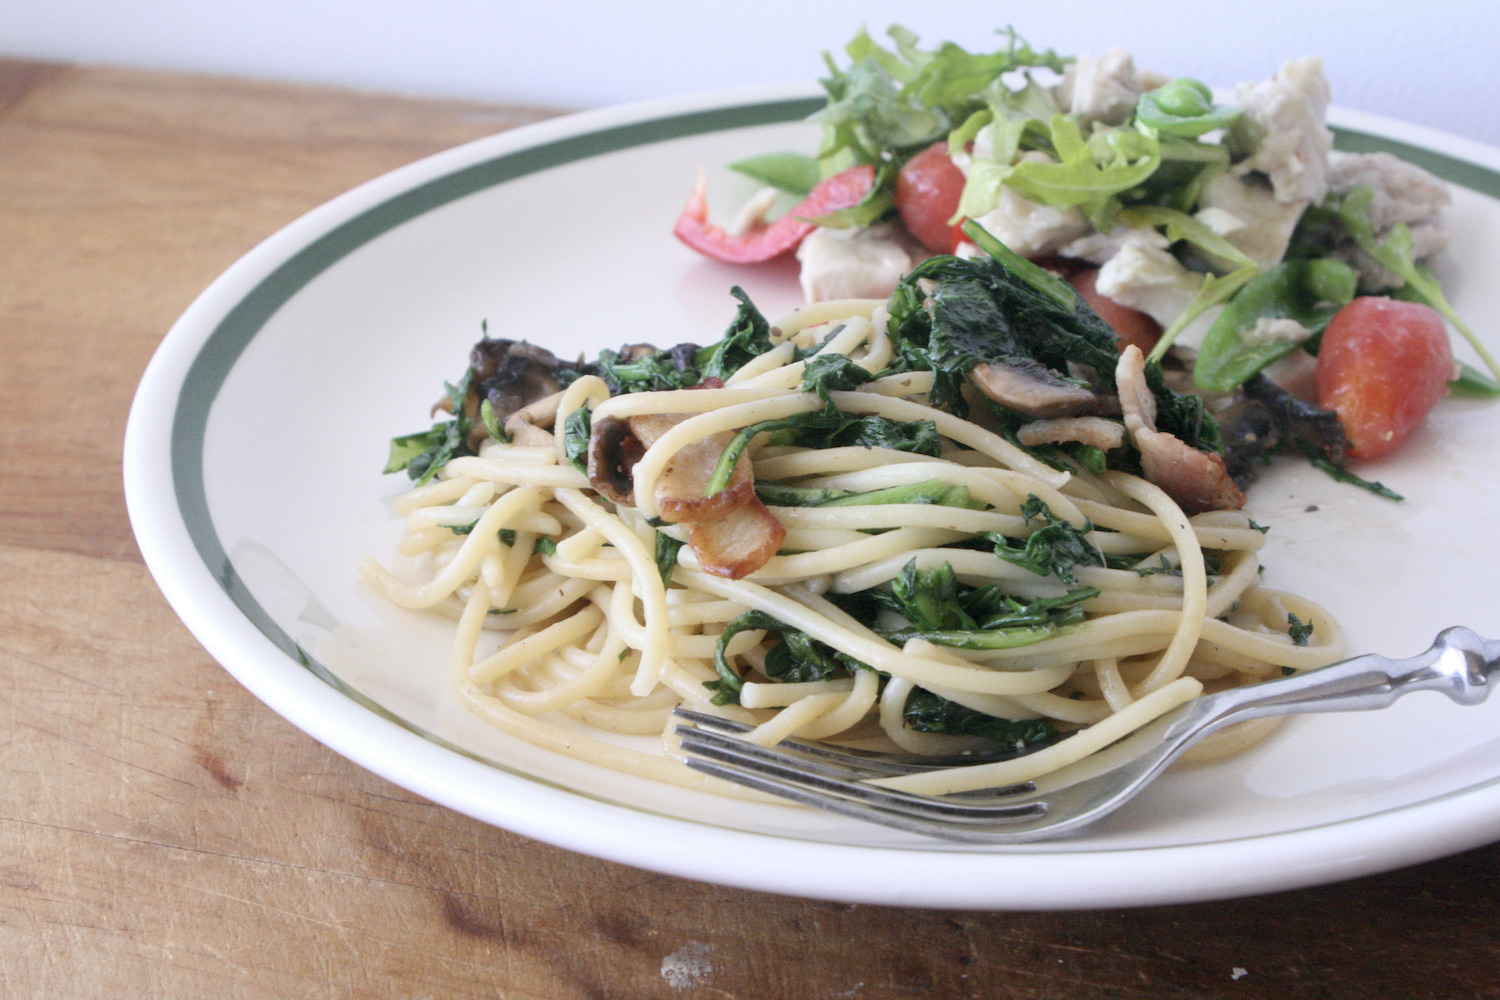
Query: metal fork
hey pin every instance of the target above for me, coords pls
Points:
(1460, 663)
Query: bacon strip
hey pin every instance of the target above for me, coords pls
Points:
(1197, 480)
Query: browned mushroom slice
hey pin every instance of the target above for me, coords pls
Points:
(511, 375)
(739, 542)
(1197, 480)
(531, 426)
(1097, 432)
(613, 452)
(1031, 388)
(681, 488)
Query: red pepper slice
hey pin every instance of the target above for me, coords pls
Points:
(842, 190)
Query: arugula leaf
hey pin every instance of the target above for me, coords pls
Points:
(730, 683)
(798, 657)
(1053, 549)
(657, 371)
(1395, 255)
(1342, 474)
(423, 454)
(1309, 291)
(491, 423)
(1008, 623)
(919, 437)
(747, 337)
(929, 713)
(825, 373)
(828, 427)
(577, 428)
(1088, 174)
(891, 103)
(667, 548)
(929, 491)
(929, 597)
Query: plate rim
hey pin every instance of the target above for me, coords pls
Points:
(1007, 879)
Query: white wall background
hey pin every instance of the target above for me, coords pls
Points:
(1435, 62)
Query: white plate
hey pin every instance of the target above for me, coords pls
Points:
(252, 465)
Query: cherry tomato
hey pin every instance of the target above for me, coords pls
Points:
(927, 192)
(1382, 366)
(1131, 326)
(842, 190)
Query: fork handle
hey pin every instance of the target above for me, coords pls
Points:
(1460, 664)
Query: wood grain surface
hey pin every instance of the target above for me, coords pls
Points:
(163, 834)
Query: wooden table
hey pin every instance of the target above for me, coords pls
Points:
(164, 834)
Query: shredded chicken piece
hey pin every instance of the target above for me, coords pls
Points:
(1404, 193)
(860, 263)
(1103, 89)
(1198, 480)
(1097, 247)
(1265, 222)
(1150, 279)
(1284, 130)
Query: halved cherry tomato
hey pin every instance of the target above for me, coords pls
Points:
(1382, 366)
(928, 188)
(1131, 326)
(842, 190)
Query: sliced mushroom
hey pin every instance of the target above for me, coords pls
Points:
(1249, 429)
(511, 375)
(1197, 480)
(1266, 417)
(1300, 421)
(739, 542)
(1031, 388)
(613, 452)
(681, 489)
(1097, 432)
(531, 426)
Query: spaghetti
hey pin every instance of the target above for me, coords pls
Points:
(911, 598)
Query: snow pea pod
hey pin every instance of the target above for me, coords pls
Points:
(1308, 291)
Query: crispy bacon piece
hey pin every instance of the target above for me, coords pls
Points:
(732, 532)
(739, 542)
(1197, 480)
(681, 486)
(1106, 435)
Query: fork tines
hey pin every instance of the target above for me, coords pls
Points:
(837, 780)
